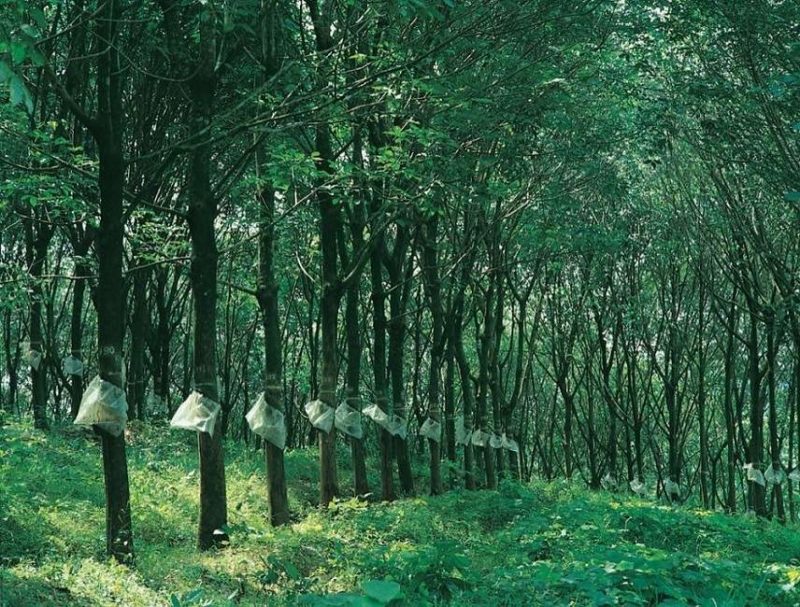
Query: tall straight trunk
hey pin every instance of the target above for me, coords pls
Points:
(756, 492)
(378, 296)
(12, 362)
(277, 492)
(432, 280)
(203, 275)
(487, 343)
(353, 269)
(160, 351)
(727, 406)
(329, 214)
(449, 435)
(110, 293)
(774, 442)
(138, 325)
(397, 332)
(80, 274)
(352, 380)
(705, 490)
(37, 238)
(494, 373)
(467, 397)
(329, 228)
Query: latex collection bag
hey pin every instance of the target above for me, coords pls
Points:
(103, 405)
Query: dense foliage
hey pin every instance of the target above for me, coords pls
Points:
(534, 240)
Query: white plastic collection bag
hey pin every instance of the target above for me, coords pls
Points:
(755, 475)
(509, 443)
(495, 442)
(608, 482)
(671, 487)
(267, 422)
(103, 405)
(794, 475)
(431, 429)
(462, 436)
(774, 476)
(480, 438)
(638, 486)
(72, 365)
(320, 415)
(393, 424)
(32, 356)
(376, 414)
(397, 426)
(196, 413)
(348, 420)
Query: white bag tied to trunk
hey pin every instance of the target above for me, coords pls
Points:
(755, 475)
(480, 438)
(320, 415)
(267, 422)
(608, 482)
(196, 413)
(462, 436)
(794, 475)
(32, 356)
(638, 486)
(397, 426)
(509, 443)
(103, 405)
(431, 429)
(376, 414)
(495, 442)
(774, 475)
(671, 487)
(72, 365)
(348, 420)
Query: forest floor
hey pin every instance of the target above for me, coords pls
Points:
(543, 544)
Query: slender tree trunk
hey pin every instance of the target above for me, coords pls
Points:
(110, 293)
(138, 325)
(379, 358)
(37, 239)
(434, 292)
(757, 492)
(397, 330)
(203, 274)
(277, 492)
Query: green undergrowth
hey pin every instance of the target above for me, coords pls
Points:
(543, 544)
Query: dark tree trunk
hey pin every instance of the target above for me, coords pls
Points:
(201, 215)
(432, 280)
(81, 272)
(329, 309)
(137, 380)
(397, 331)
(110, 293)
(379, 357)
(756, 491)
(38, 234)
(277, 492)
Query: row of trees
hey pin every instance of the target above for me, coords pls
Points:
(572, 224)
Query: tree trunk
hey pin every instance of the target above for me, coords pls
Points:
(277, 492)
(201, 215)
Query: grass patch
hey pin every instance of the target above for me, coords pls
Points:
(544, 544)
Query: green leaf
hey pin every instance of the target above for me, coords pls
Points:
(20, 94)
(382, 591)
(18, 52)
